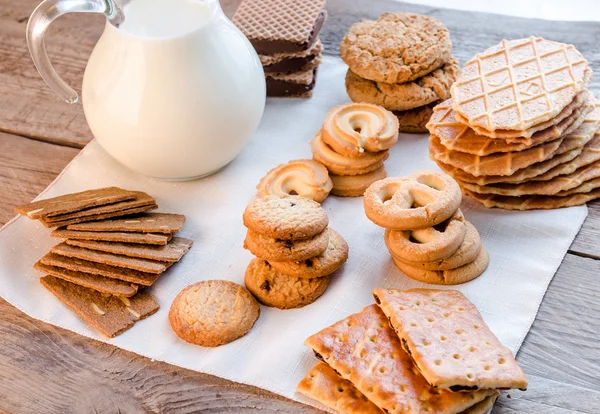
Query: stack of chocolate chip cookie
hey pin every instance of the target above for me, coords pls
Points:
(426, 233)
(296, 251)
(100, 269)
(413, 351)
(285, 33)
(403, 62)
(353, 144)
(521, 129)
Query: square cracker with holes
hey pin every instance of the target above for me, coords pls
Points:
(364, 350)
(449, 341)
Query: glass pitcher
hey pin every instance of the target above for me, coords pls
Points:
(172, 89)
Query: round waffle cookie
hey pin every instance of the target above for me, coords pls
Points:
(534, 202)
(518, 84)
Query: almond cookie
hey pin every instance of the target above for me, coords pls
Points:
(306, 178)
(275, 289)
(270, 248)
(434, 86)
(414, 121)
(396, 48)
(339, 164)
(213, 312)
(322, 265)
(289, 218)
(355, 185)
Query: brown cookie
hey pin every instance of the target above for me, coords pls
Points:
(126, 212)
(95, 282)
(414, 121)
(272, 288)
(110, 315)
(289, 218)
(143, 223)
(397, 47)
(270, 248)
(434, 86)
(172, 252)
(112, 236)
(213, 312)
(355, 185)
(143, 265)
(322, 265)
(69, 203)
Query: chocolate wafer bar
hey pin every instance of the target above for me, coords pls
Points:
(280, 26)
(299, 84)
(112, 236)
(172, 252)
(110, 315)
(291, 62)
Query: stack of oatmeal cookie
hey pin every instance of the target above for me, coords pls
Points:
(296, 251)
(403, 62)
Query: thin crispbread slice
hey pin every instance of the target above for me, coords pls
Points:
(324, 385)
(141, 199)
(110, 315)
(364, 350)
(172, 252)
(448, 340)
(143, 265)
(95, 282)
(110, 236)
(60, 223)
(142, 223)
(74, 202)
(114, 272)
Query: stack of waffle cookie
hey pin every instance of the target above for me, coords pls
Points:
(413, 351)
(426, 233)
(520, 131)
(353, 144)
(295, 251)
(101, 268)
(403, 62)
(285, 34)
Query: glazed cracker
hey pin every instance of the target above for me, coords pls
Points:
(144, 223)
(172, 252)
(324, 385)
(449, 341)
(110, 236)
(110, 315)
(364, 350)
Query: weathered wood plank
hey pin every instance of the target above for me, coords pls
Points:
(587, 242)
(26, 168)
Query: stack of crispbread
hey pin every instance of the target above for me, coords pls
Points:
(520, 129)
(99, 271)
(415, 351)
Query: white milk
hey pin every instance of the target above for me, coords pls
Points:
(174, 92)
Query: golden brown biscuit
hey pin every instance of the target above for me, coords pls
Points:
(355, 185)
(306, 178)
(269, 248)
(414, 121)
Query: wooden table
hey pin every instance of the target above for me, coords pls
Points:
(44, 369)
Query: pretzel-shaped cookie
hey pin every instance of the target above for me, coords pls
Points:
(430, 243)
(306, 178)
(419, 200)
(353, 128)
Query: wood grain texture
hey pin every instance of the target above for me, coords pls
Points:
(587, 242)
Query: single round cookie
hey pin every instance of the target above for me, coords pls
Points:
(414, 121)
(289, 218)
(269, 248)
(213, 313)
(275, 289)
(434, 86)
(397, 47)
(355, 185)
(322, 265)
(456, 276)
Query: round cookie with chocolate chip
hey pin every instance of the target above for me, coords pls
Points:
(270, 248)
(318, 266)
(275, 289)
(213, 313)
(397, 47)
(289, 218)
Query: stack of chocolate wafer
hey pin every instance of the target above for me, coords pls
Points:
(520, 131)
(101, 267)
(295, 250)
(285, 34)
(413, 351)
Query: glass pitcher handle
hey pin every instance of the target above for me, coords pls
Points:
(42, 16)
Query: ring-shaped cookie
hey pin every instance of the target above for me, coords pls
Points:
(419, 200)
(431, 243)
(353, 128)
(306, 178)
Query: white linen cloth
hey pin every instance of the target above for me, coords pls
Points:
(525, 250)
